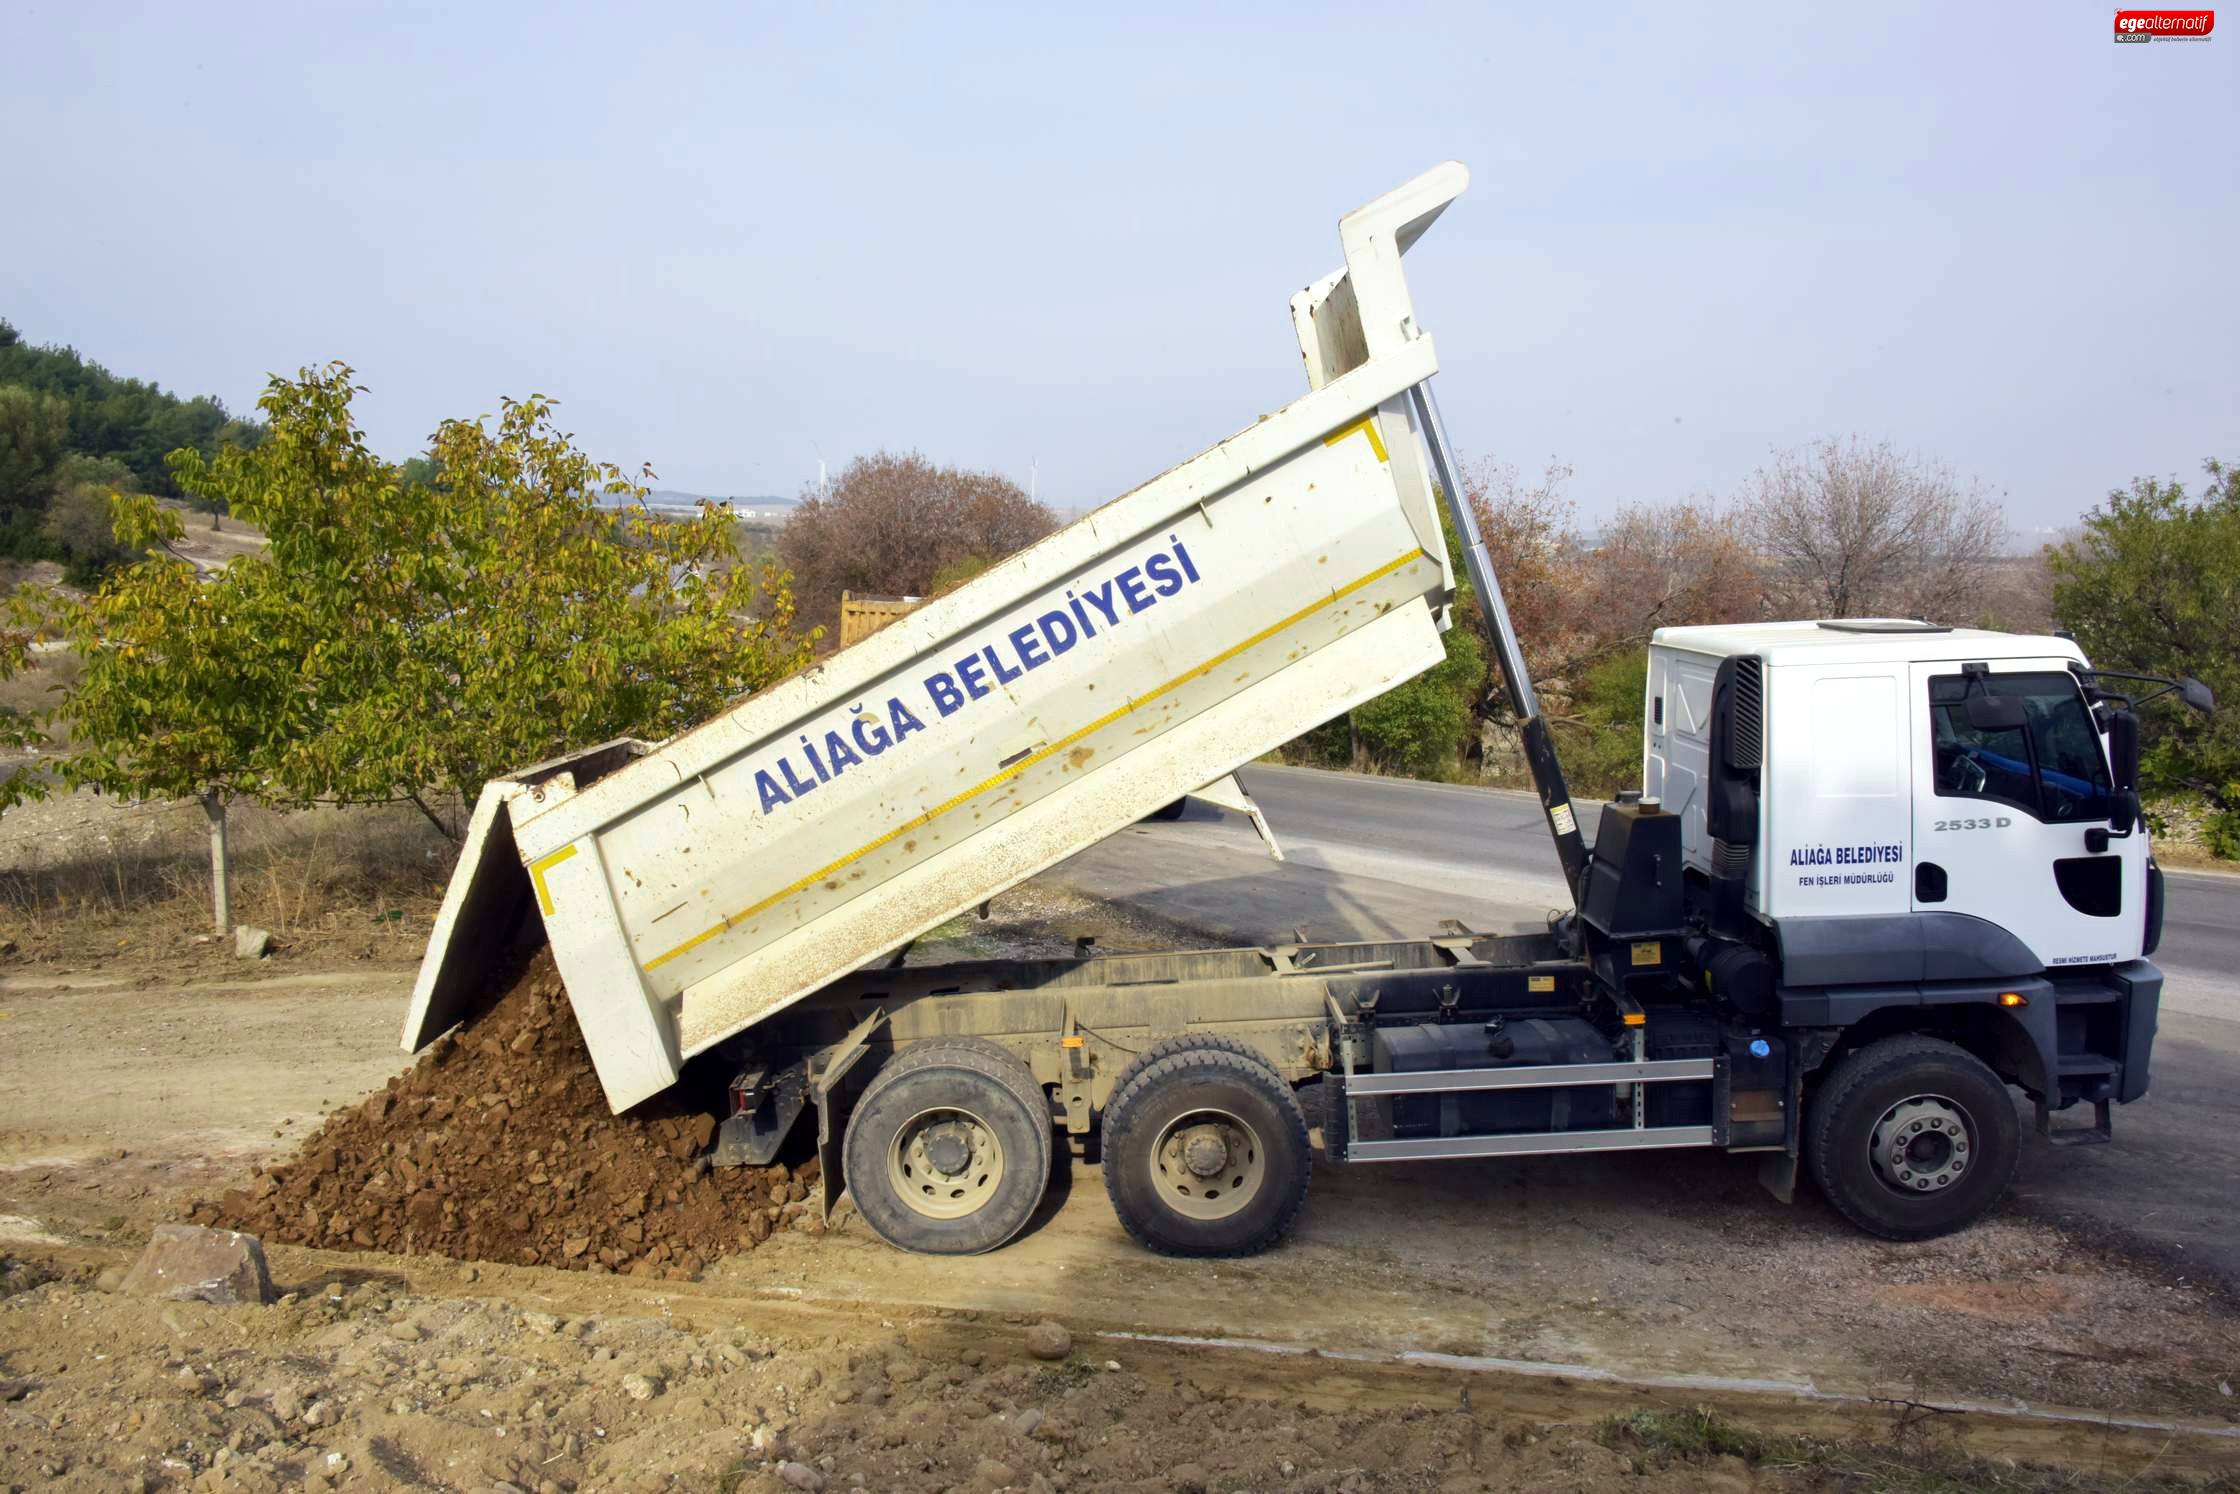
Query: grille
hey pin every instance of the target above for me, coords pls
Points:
(1749, 739)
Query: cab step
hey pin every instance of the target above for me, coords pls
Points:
(2101, 1130)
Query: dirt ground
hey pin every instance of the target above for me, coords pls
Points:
(136, 1081)
(380, 1373)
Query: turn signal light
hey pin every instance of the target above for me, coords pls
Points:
(2013, 998)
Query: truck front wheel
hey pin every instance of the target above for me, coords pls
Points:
(1205, 1151)
(1912, 1137)
(948, 1151)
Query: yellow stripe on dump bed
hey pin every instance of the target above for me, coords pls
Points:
(1367, 425)
(1021, 766)
(536, 875)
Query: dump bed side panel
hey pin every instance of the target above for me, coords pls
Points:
(1041, 697)
(1183, 640)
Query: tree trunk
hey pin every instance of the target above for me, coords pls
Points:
(1353, 743)
(221, 878)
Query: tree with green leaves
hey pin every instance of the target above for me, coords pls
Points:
(20, 731)
(34, 438)
(1601, 737)
(187, 690)
(405, 640)
(81, 519)
(2152, 584)
(1422, 727)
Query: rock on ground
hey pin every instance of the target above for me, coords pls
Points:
(187, 1263)
(1049, 1341)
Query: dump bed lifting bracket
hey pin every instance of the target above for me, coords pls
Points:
(764, 1106)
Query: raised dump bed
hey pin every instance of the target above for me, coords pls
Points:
(1281, 578)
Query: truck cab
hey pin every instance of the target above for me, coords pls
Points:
(1920, 828)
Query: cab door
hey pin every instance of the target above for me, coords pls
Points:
(2007, 797)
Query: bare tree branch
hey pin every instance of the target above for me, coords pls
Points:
(1854, 528)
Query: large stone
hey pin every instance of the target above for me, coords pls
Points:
(1049, 1341)
(187, 1263)
(251, 943)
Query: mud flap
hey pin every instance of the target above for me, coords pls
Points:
(830, 1184)
(1777, 1174)
(1777, 1171)
(833, 1094)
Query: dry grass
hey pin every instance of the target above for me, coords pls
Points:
(83, 876)
(95, 878)
(39, 686)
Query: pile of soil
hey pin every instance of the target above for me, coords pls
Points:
(498, 1145)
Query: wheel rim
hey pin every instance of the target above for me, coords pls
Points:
(1208, 1164)
(1922, 1145)
(945, 1163)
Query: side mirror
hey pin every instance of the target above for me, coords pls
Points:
(2196, 695)
(2123, 751)
(2123, 811)
(1995, 712)
(2123, 771)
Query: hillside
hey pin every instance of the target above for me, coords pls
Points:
(133, 421)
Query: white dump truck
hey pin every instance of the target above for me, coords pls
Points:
(1880, 871)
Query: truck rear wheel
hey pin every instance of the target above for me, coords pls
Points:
(948, 1151)
(1205, 1151)
(1913, 1137)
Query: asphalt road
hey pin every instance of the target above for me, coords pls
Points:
(1375, 857)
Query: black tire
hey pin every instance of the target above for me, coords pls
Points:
(1186, 1043)
(961, 1083)
(1205, 1087)
(1173, 811)
(1947, 1177)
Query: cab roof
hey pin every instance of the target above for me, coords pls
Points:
(1864, 640)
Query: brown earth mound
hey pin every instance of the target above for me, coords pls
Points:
(498, 1146)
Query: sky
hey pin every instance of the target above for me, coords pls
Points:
(735, 240)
